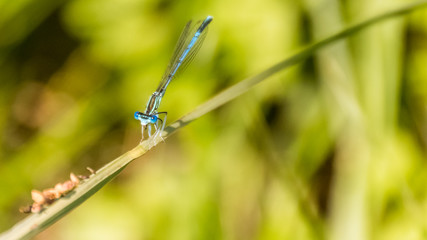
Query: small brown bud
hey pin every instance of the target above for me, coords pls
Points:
(68, 185)
(60, 188)
(74, 179)
(26, 209)
(92, 172)
(38, 197)
(36, 208)
(51, 194)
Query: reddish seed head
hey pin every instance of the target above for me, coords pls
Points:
(35, 208)
(51, 194)
(59, 187)
(38, 197)
(65, 187)
(68, 185)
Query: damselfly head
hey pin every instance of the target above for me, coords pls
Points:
(145, 118)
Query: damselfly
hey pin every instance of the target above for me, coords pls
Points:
(189, 42)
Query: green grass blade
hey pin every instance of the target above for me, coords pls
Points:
(244, 85)
(36, 223)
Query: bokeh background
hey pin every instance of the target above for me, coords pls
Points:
(333, 148)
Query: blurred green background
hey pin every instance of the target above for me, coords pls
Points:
(331, 149)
